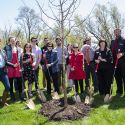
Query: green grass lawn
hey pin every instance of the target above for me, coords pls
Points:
(101, 114)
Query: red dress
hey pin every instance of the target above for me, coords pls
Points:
(14, 72)
(76, 61)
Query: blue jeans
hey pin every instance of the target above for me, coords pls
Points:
(4, 79)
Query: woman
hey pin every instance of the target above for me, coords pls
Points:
(3, 74)
(103, 58)
(28, 60)
(69, 81)
(51, 68)
(13, 73)
(77, 73)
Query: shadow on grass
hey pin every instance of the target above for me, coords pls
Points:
(98, 101)
(117, 103)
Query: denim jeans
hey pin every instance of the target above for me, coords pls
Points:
(4, 79)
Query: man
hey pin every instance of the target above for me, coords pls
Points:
(60, 63)
(118, 51)
(89, 64)
(3, 74)
(44, 48)
(37, 52)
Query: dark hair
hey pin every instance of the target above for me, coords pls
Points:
(117, 29)
(57, 38)
(45, 38)
(33, 38)
(17, 42)
(102, 40)
(86, 39)
(27, 44)
(50, 44)
(10, 38)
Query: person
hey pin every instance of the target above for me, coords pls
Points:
(58, 48)
(89, 64)
(37, 52)
(69, 81)
(20, 50)
(118, 50)
(44, 48)
(103, 58)
(28, 60)
(3, 74)
(77, 73)
(51, 68)
(13, 73)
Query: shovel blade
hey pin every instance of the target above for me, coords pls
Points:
(76, 98)
(56, 96)
(87, 100)
(106, 98)
(30, 104)
(41, 96)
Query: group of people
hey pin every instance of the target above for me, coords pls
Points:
(85, 63)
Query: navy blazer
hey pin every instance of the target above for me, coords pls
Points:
(53, 60)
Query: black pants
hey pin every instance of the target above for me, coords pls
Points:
(120, 75)
(90, 71)
(36, 78)
(77, 84)
(52, 77)
(104, 76)
(19, 84)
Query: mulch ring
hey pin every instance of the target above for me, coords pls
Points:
(54, 110)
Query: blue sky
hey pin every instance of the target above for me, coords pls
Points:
(9, 9)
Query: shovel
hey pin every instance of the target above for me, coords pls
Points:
(89, 99)
(116, 63)
(56, 96)
(29, 102)
(40, 93)
(76, 97)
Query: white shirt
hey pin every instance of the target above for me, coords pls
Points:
(2, 61)
(37, 52)
(59, 54)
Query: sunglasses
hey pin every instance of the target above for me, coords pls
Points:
(75, 47)
(34, 40)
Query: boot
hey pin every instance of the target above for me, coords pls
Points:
(12, 96)
(21, 97)
(4, 98)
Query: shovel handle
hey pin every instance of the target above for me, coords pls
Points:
(117, 59)
(97, 66)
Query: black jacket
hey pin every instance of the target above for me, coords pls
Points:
(120, 45)
(107, 55)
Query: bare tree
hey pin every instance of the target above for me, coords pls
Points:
(6, 33)
(103, 20)
(29, 22)
(62, 14)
